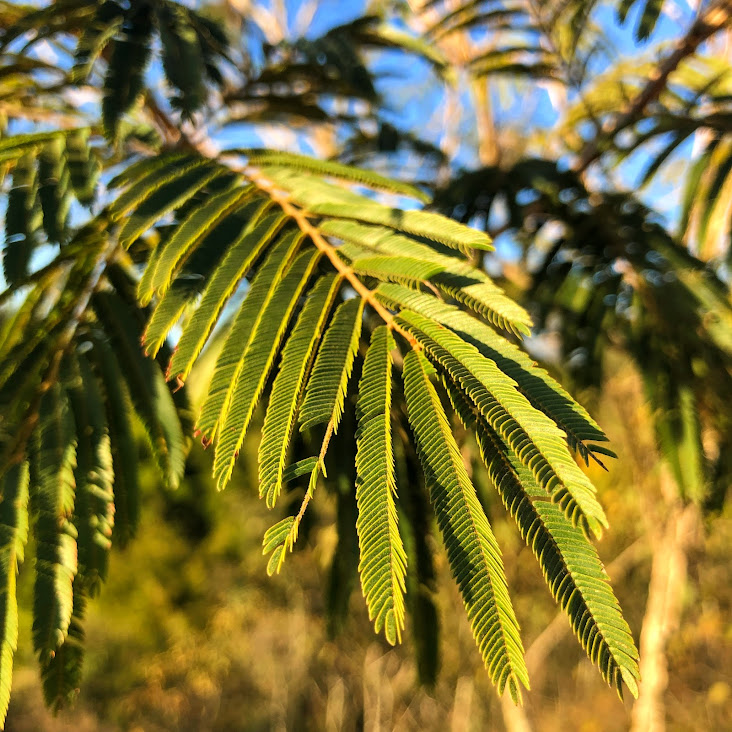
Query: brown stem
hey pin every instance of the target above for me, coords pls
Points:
(706, 25)
(301, 218)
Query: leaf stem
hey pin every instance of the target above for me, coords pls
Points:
(301, 218)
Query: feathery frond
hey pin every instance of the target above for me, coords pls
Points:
(472, 550)
(533, 437)
(327, 385)
(383, 562)
(13, 536)
(316, 284)
(52, 505)
(569, 562)
(286, 394)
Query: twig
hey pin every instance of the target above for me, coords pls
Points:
(706, 25)
(301, 219)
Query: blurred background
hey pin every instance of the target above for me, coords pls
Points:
(593, 141)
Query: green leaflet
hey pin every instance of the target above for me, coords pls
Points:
(22, 219)
(329, 168)
(147, 388)
(182, 57)
(133, 172)
(197, 271)
(256, 362)
(189, 233)
(164, 200)
(168, 311)
(13, 537)
(534, 382)
(17, 145)
(284, 400)
(474, 555)
(160, 172)
(122, 439)
(383, 562)
(390, 269)
(326, 200)
(535, 439)
(301, 467)
(82, 166)
(281, 538)
(94, 38)
(417, 223)
(94, 507)
(649, 17)
(240, 255)
(457, 277)
(569, 562)
(61, 678)
(52, 503)
(53, 190)
(261, 291)
(125, 78)
(326, 389)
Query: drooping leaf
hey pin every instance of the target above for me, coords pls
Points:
(383, 562)
(287, 390)
(13, 536)
(52, 504)
(472, 550)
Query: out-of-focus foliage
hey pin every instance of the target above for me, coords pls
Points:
(606, 274)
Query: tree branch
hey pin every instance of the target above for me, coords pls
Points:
(714, 19)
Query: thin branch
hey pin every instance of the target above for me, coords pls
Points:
(714, 19)
(301, 219)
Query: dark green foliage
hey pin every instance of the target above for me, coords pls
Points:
(53, 190)
(21, 220)
(150, 396)
(182, 57)
(52, 505)
(671, 314)
(13, 536)
(649, 15)
(125, 77)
